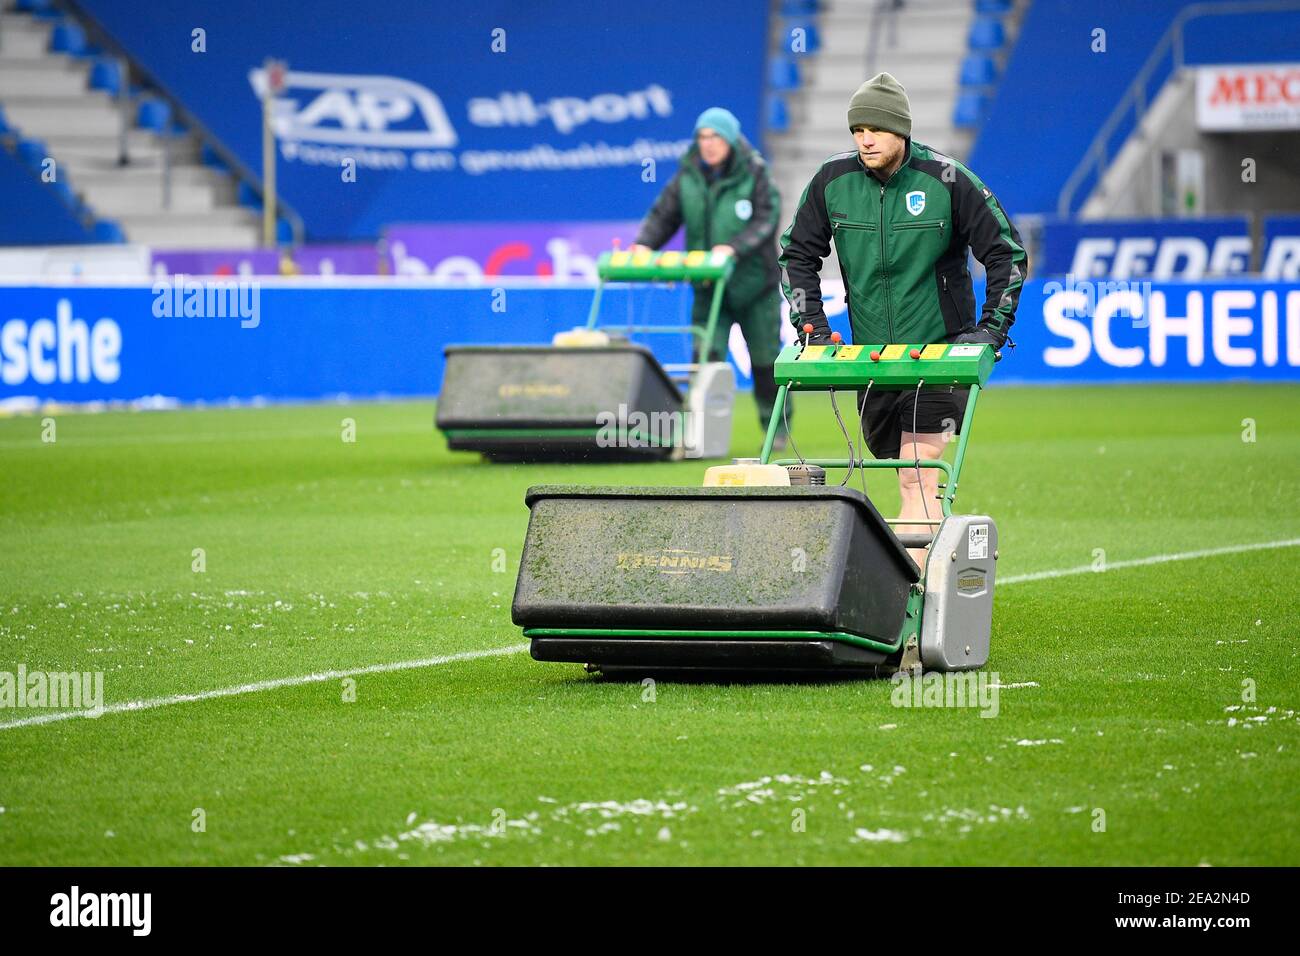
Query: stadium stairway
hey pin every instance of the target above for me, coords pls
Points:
(924, 43)
(55, 90)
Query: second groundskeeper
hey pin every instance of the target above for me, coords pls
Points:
(902, 217)
(723, 193)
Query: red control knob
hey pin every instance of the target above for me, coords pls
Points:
(915, 353)
(808, 328)
(837, 338)
(875, 356)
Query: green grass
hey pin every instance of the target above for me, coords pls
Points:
(325, 555)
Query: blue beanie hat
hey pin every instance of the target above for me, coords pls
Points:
(721, 121)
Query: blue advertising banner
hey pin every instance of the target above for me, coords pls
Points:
(212, 341)
(1281, 258)
(1157, 249)
(408, 111)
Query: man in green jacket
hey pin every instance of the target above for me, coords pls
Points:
(724, 194)
(902, 217)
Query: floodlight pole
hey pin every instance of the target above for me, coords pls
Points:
(274, 73)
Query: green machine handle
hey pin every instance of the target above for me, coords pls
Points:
(891, 367)
(622, 265)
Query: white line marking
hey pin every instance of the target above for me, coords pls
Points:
(1154, 559)
(150, 703)
(259, 686)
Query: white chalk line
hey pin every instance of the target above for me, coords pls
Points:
(1154, 559)
(259, 686)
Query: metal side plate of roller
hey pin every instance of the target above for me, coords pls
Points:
(958, 616)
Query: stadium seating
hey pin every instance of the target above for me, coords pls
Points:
(106, 75)
(67, 37)
(106, 230)
(153, 114)
(970, 110)
(35, 212)
(987, 34)
(778, 116)
(60, 97)
(978, 70)
(783, 74)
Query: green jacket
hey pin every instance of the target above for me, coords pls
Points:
(739, 208)
(902, 249)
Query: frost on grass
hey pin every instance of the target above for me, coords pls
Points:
(964, 820)
(1252, 715)
(782, 786)
(863, 835)
(595, 818)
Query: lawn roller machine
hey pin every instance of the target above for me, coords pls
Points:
(765, 568)
(593, 395)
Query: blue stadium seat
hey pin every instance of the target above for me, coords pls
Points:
(153, 114)
(106, 230)
(4, 124)
(978, 70)
(812, 40)
(32, 6)
(33, 154)
(106, 75)
(65, 193)
(970, 109)
(778, 117)
(783, 74)
(283, 232)
(67, 37)
(248, 196)
(993, 6)
(987, 34)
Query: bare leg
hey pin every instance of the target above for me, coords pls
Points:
(919, 493)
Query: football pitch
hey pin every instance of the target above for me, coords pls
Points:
(307, 656)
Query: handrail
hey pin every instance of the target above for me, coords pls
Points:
(1094, 156)
(101, 37)
(884, 10)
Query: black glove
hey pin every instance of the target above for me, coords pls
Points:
(984, 334)
(820, 335)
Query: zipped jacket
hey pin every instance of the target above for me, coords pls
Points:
(902, 247)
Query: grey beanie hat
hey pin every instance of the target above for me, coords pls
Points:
(881, 102)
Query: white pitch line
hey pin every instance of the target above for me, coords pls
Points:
(1154, 559)
(259, 686)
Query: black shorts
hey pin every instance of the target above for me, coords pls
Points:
(890, 413)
